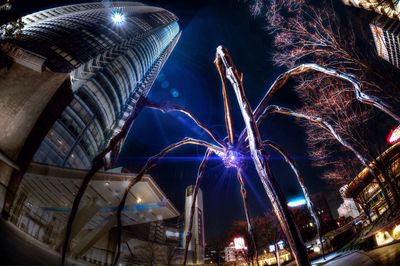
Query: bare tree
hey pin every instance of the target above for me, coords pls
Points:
(310, 31)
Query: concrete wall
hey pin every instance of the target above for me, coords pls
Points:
(24, 94)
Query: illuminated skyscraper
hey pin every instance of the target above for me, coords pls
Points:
(76, 73)
(196, 247)
(386, 34)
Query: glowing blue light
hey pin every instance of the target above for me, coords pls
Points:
(165, 84)
(118, 18)
(232, 157)
(296, 203)
(174, 92)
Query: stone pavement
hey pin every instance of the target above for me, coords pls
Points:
(18, 248)
(353, 258)
(386, 255)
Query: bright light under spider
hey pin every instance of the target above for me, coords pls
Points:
(232, 159)
(296, 203)
(118, 18)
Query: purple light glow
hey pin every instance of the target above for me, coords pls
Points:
(232, 159)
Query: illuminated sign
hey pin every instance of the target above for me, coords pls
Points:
(171, 234)
(394, 135)
(383, 238)
(271, 248)
(296, 203)
(239, 243)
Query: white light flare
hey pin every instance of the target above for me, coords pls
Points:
(118, 18)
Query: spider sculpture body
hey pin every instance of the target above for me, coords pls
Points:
(234, 151)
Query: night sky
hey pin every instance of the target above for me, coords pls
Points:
(190, 79)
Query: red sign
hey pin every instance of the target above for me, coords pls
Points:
(394, 136)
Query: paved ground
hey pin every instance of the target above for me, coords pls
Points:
(17, 248)
(387, 255)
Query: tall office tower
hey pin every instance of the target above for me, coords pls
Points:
(377, 6)
(197, 244)
(386, 33)
(76, 74)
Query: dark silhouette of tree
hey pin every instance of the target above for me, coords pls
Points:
(218, 244)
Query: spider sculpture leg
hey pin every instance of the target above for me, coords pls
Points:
(259, 157)
(166, 107)
(227, 106)
(199, 179)
(327, 126)
(150, 164)
(115, 142)
(246, 212)
(233, 143)
(301, 182)
(98, 162)
(304, 68)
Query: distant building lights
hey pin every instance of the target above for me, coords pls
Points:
(296, 203)
(271, 248)
(383, 238)
(396, 232)
(394, 136)
(118, 18)
(317, 249)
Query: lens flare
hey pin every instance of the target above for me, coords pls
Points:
(118, 18)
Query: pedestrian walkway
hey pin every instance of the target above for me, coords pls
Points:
(353, 258)
(19, 248)
(386, 255)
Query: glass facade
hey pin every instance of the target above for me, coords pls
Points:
(386, 33)
(111, 66)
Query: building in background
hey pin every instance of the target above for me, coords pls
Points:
(386, 33)
(213, 255)
(305, 222)
(233, 254)
(366, 192)
(44, 202)
(370, 200)
(378, 6)
(76, 95)
(385, 28)
(72, 78)
(348, 209)
(197, 244)
(5, 5)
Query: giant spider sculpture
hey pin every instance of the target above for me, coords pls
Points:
(233, 150)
